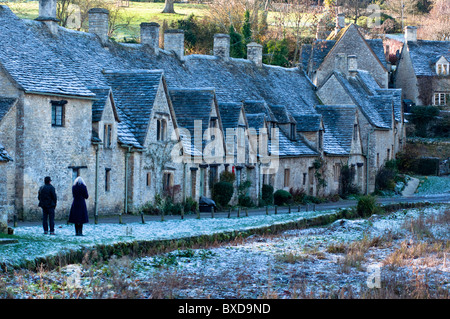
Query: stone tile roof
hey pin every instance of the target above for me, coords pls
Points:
(134, 94)
(282, 115)
(5, 105)
(317, 52)
(235, 80)
(31, 63)
(4, 156)
(338, 123)
(192, 105)
(425, 53)
(229, 113)
(376, 107)
(98, 105)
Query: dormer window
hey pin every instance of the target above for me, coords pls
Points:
(161, 129)
(293, 131)
(442, 67)
(107, 135)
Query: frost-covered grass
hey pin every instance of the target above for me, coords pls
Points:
(398, 255)
(32, 243)
(430, 185)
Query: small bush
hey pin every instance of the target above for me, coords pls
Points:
(281, 197)
(298, 195)
(227, 176)
(367, 206)
(222, 193)
(267, 194)
(190, 205)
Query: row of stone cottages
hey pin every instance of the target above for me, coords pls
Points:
(135, 120)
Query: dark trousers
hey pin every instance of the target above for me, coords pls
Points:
(48, 217)
(79, 229)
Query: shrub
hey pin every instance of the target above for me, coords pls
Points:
(267, 194)
(385, 179)
(222, 193)
(367, 206)
(281, 197)
(347, 177)
(227, 176)
(421, 116)
(190, 205)
(298, 195)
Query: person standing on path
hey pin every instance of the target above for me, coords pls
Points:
(78, 212)
(47, 201)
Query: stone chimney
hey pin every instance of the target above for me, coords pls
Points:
(341, 63)
(150, 35)
(321, 33)
(340, 22)
(410, 34)
(352, 63)
(222, 45)
(254, 53)
(47, 14)
(174, 41)
(98, 23)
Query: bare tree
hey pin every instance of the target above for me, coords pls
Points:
(168, 7)
(436, 25)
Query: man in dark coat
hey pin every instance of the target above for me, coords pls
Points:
(47, 201)
(78, 212)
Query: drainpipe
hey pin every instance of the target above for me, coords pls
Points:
(97, 146)
(125, 208)
(367, 160)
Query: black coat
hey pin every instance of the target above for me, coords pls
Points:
(78, 211)
(47, 196)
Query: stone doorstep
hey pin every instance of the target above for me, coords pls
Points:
(5, 241)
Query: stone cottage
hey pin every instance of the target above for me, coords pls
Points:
(423, 71)
(380, 117)
(123, 115)
(318, 58)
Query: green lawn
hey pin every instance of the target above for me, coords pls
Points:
(433, 185)
(138, 11)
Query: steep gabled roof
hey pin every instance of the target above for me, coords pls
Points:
(424, 55)
(338, 123)
(33, 66)
(290, 148)
(320, 49)
(134, 94)
(282, 115)
(376, 107)
(230, 113)
(102, 95)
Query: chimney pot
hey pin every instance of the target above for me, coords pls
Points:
(174, 41)
(341, 63)
(47, 14)
(410, 34)
(98, 23)
(254, 53)
(222, 45)
(352, 62)
(150, 35)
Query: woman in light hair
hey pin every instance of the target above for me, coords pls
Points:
(78, 212)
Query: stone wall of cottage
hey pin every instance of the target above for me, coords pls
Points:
(8, 139)
(332, 93)
(405, 78)
(111, 174)
(53, 151)
(353, 44)
(301, 174)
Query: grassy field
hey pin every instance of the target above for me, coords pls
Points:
(137, 11)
